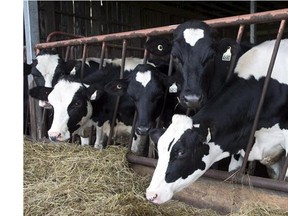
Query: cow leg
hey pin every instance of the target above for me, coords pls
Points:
(84, 141)
(100, 138)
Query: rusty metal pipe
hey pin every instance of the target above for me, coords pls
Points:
(234, 57)
(118, 97)
(57, 33)
(221, 175)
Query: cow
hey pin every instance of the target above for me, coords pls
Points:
(49, 66)
(75, 110)
(146, 86)
(203, 59)
(189, 146)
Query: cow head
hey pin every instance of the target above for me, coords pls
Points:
(146, 86)
(47, 69)
(71, 104)
(192, 51)
(184, 155)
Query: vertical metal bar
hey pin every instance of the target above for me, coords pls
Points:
(253, 6)
(118, 98)
(234, 57)
(103, 49)
(264, 90)
(83, 60)
(67, 53)
(145, 58)
(166, 93)
(284, 169)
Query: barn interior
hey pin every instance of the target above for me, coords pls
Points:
(47, 21)
(88, 18)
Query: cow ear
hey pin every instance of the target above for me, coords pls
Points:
(155, 134)
(117, 87)
(204, 133)
(40, 92)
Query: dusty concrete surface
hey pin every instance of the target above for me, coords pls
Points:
(224, 197)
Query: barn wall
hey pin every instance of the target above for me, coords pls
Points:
(89, 18)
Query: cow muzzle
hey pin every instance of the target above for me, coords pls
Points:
(191, 101)
(57, 136)
(142, 130)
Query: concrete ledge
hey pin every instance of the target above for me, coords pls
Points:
(223, 197)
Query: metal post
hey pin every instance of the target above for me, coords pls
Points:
(119, 97)
(253, 7)
(32, 38)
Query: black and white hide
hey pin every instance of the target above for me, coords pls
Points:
(190, 146)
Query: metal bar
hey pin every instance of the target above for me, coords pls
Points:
(102, 55)
(221, 175)
(284, 169)
(264, 90)
(145, 57)
(60, 33)
(234, 57)
(67, 53)
(83, 60)
(261, 17)
(118, 97)
(166, 93)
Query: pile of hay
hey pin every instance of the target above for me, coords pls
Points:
(67, 179)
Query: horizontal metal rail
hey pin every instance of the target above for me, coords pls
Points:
(221, 175)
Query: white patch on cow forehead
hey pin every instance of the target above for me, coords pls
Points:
(63, 93)
(143, 77)
(46, 66)
(180, 123)
(192, 35)
(255, 62)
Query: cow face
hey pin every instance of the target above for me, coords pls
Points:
(47, 69)
(184, 156)
(192, 51)
(72, 109)
(146, 86)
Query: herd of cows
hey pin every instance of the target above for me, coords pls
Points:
(222, 106)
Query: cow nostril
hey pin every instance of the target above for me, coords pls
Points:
(141, 130)
(53, 137)
(152, 198)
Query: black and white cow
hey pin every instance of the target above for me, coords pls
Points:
(75, 111)
(203, 59)
(49, 66)
(146, 85)
(186, 152)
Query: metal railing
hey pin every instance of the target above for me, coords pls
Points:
(241, 21)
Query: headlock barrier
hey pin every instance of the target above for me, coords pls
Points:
(105, 42)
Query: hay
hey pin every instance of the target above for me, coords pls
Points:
(67, 179)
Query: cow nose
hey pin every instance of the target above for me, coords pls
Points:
(192, 101)
(53, 136)
(151, 196)
(142, 130)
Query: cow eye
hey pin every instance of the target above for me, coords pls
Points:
(77, 103)
(180, 153)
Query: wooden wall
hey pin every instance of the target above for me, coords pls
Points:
(89, 18)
